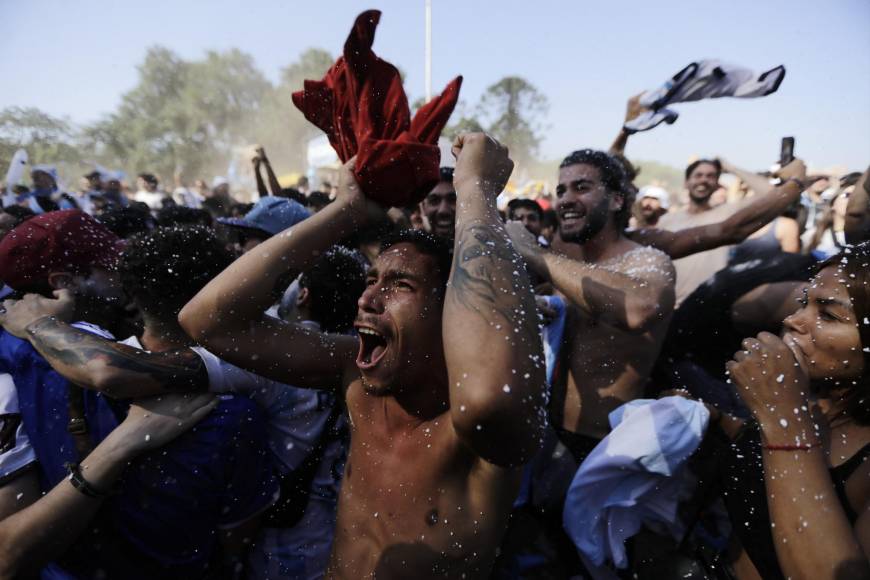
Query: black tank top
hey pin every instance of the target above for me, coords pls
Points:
(746, 498)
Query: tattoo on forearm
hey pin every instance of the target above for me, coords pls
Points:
(488, 276)
(65, 346)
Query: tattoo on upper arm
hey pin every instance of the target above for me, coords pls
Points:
(178, 370)
(488, 276)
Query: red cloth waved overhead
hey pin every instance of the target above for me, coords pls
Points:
(361, 106)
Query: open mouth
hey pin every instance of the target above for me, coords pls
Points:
(372, 348)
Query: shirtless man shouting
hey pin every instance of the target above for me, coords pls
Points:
(444, 386)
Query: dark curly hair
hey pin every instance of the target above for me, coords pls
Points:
(427, 244)
(176, 215)
(126, 222)
(695, 164)
(335, 282)
(613, 176)
(854, 267)
(163, 269)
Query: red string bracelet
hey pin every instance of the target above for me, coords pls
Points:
(802, 447)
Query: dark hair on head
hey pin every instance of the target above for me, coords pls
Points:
(850, 179)
(550, 219)
(522, 202)
(317, 199)
(163, 269)
(240, 209)
(176, 215)
(445, 174)
(374, 231)
(126, 222)
(149, 178)
(20, 213)
(215, 206)
(427, 244)
(612, 175)
(335, 282)
(46, 203)
(694, 165)
(854, 266)
(631, 172)
(292, 193)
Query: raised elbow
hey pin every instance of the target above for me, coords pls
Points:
(642, 316)
(194, 324)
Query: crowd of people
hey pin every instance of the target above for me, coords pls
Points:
(316, 386)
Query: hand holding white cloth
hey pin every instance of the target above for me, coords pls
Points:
(704, 79)
(636, 476)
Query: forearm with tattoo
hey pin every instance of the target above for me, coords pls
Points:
(118, 370)
(489, 279)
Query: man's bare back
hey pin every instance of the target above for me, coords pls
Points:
(415, 499)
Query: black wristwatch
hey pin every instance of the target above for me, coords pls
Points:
(79, 482)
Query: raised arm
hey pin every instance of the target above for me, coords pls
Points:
(94, 362)
(813, 537)
(492, 344)
(228, 315)
(622, 298)
(749, 216)
(274, 186)
(33, 536)
(257, 161)
(632, 109)
(757, 183)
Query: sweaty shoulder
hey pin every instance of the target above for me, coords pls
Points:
(644, 263)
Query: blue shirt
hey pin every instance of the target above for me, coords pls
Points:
(173, 500)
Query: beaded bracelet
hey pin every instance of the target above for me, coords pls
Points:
(79, 482)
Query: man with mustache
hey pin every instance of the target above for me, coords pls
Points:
(444, 386)
(621, 297)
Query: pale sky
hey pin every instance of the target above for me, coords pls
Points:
(76, 59)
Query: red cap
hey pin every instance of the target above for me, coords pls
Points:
(56, 241)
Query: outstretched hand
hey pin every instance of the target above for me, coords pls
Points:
(633, 108)
(481, 163)
(17, 315)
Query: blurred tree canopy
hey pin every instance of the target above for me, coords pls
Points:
(513, 111)
(43, 136)
(194, 116)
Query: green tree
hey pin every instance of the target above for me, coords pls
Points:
(183, 115)
(512, 110)
(281, 128)
(46, 139)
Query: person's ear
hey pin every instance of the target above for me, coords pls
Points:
(303, 297)
(61, 280)
(617, 201)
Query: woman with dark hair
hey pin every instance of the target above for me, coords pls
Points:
(797, 483)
